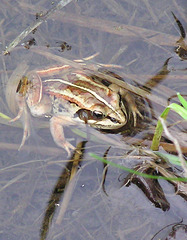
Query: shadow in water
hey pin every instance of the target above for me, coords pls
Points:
(63, 187)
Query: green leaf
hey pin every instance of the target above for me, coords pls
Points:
(169, 157)
(2, 115)
(178, 109)
(182, 100)
(182, 111)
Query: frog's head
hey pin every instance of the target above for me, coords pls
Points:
(102, 117)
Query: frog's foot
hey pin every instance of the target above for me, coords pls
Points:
(26, 131)
(130, 100)
(56, 127)
(132, 107)
(67, 146)
(22, 105)
(135, 112)
(18, 116)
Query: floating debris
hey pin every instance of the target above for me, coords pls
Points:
(34, 25)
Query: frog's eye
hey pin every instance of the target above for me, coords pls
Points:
(114, 120)
(97, 115)
(86, 115)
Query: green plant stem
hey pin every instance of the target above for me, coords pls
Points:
(136, 172)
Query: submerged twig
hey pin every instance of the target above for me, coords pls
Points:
(181, 28)
(34, 25)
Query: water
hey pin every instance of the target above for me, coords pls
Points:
(140, 37)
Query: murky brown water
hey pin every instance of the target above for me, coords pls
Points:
(137, 35)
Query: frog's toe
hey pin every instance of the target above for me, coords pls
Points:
(136, 112)
(68, 147)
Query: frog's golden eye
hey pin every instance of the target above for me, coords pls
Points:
(97, 115)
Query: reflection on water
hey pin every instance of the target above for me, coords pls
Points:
(141, 38)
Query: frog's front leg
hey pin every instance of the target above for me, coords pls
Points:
(22, 112)
(127, 95)
(132, 106)
(56, 126)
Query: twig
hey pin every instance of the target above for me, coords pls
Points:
(34, 25)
